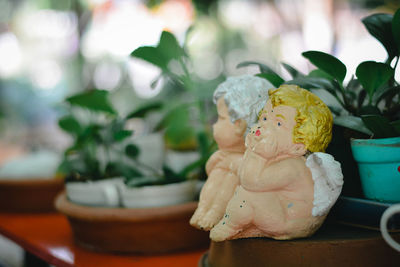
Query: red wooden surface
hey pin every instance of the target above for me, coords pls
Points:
(49, 237)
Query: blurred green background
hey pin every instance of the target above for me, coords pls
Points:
(50, 50)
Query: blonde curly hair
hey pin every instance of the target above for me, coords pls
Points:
(313, 120)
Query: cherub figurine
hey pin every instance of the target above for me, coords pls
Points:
(287, 186)
(238, 99)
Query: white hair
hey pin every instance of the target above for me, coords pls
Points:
(245, 96)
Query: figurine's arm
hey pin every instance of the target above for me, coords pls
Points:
(272, 180)
(213, 160)
(234, 165)
(278, 176)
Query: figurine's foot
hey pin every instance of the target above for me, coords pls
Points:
(222, 232)
(210, 219)
(198, 214)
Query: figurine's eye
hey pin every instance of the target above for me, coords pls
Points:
(265, 118)
(279, 124)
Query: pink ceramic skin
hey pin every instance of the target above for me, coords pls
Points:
(221, 169)
(275, 195)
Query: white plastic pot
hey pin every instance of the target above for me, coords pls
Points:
(157, 195)
(102, 193)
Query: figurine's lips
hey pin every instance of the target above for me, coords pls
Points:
(258, 132)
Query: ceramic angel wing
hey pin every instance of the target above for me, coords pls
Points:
(328, 181)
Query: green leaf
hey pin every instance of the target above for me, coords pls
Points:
(318, 73)
(314, 83)
(292, 71)
(373, 75)
(151, 55)
(115, 169)
(171, 176)
(142, 111)
(263, 68)
(192, 166)
(396, 126)
(203, 141)
(132, 151)
(178, 127)
(380, 27)
(396, 29)
(379, 126)
(169, 47)
(70, 125)
(327, 63)
(352, 122)
(361, 98)
(335, 110)
(353, 85)
(122, 135)
(95, 100)
(369, 110)
(275, 79)
(387, 92)
(146, 181)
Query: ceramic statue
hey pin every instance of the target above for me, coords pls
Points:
(286, 183)
(238, 100)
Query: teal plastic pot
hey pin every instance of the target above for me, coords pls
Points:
(379, 166)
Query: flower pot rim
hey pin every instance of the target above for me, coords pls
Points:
(120, 214)
(37, 181)
(96, 181)
(380, 142)
(159, 186)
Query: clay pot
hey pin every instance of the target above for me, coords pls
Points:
(142, 231)
(29, 195)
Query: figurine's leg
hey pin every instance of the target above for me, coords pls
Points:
(270, 217)
(220, 201)
(207, 194)
(239, 213)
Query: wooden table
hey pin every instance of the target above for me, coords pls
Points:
(49, 237)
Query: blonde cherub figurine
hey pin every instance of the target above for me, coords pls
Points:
(238, 99)
(287, 185)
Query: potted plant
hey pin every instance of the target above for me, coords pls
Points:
(186, 122)
(369, 105)
(127, 178)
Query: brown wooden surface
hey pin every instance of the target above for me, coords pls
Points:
(332, 245)
(49, 237)
(146, 231)
(29, 195)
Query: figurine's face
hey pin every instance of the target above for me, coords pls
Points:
(272, 136)
(226, 133)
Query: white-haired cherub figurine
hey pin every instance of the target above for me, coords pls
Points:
(287, 184)
(238, 99)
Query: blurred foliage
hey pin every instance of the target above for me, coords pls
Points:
(100, 150)
(187, 122)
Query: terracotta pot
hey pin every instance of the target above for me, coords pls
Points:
(142, 231)
(29, 195)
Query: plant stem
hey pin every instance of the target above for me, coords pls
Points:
(345, 104)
